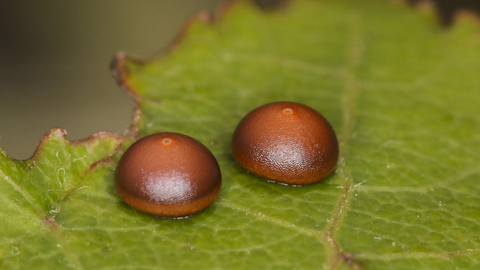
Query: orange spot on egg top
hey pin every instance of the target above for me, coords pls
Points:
(175, 178)
(286, 142)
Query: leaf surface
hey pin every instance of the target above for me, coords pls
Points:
(401, 93)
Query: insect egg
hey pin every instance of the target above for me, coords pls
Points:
(286, 142)
(169, 175)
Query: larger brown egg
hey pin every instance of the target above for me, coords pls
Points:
(168, 175)
(286, 142)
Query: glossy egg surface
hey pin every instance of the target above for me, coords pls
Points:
(286, 142)
(169, 175)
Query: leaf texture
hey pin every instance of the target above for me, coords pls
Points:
(401, 93)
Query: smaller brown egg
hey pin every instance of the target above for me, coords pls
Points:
(286, 142)
(169, 175)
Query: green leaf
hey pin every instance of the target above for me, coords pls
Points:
(401, 93)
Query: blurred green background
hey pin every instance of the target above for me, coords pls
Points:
(55, 56)
(54, 63)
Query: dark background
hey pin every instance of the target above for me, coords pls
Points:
(54, 58)
(448, 8)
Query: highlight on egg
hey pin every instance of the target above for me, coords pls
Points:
(286, 142)
(168, 175)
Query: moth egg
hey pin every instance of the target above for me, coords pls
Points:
(168, 175)
(286, 142)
